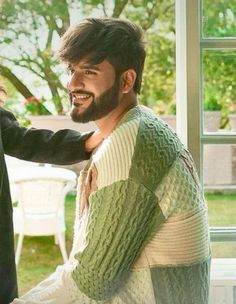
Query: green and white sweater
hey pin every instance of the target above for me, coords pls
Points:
(141, 232)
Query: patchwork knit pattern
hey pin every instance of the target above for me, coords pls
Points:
(113, 159)
(175, 231)
(181, 285)
(119, 225)
(141, 236)
(179, 190)
(157, 147)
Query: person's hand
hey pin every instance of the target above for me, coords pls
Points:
(93, 141)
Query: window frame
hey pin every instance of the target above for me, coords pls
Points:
(189, 47)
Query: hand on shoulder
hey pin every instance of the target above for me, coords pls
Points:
(93, 141)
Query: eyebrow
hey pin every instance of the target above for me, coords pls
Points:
(89, 66)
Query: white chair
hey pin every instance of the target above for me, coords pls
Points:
(40, 210)
(16, 165)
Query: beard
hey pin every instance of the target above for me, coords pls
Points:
(99, 107)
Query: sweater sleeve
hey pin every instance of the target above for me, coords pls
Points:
(39, 145)
(122, 218)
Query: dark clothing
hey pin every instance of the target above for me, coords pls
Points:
(62, 147)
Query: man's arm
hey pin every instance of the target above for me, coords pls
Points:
(123, 217)
(62, 147)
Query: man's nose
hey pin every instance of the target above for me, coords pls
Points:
(75, 82)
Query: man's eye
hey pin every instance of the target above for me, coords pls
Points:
(89, 72)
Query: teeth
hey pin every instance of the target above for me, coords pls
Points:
(82, 96)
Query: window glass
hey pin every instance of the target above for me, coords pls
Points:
(218, 19)
(223, 249)
(222, 210)
(219, 89)
(219, 174)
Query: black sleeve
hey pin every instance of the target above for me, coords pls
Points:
(39, 145)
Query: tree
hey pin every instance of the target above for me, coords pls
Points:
(219, 80)
(30, 30)
(219, 18)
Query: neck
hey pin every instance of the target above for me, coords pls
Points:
(109, 122)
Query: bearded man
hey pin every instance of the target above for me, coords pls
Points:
(141, 231)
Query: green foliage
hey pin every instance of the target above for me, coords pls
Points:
(158, 89)
(219, 64)
(219, 80)
(30, 29)
(219, 19)
(35, 107)
(212, 104)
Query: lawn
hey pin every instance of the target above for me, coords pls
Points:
(40, 255)
(222, 212)
(222, 208)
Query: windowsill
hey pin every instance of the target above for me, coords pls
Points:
(223, 234)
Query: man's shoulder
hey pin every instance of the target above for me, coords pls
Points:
(146, 136)
(157, 147)
(147, 121)
(154, 131)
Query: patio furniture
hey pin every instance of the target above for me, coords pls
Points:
(40, 211)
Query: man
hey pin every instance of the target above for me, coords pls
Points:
(141, 232)
(63, 147)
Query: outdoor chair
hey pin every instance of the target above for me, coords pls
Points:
(40, 209)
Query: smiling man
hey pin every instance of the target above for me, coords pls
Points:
(141, 231)
(85, 106)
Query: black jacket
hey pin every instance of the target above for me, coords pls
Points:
(62, 147)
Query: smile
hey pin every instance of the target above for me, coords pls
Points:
(79, 96)
(81, 99)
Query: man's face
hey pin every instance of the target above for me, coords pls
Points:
(94, 90)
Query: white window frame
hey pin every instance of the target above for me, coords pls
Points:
(189, 46)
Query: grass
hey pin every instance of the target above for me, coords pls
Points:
(40, 255)
(222, 212)
(222, 208)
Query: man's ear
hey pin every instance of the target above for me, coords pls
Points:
(127, 80)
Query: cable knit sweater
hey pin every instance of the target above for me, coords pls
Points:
(141, 232)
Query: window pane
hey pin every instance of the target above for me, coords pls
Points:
(219, 89)
(220, 191)
(223, 249)
(219, 168)
(221, 208)
(219, 18)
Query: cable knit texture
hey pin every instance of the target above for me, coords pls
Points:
(119, 223)
(141, 232)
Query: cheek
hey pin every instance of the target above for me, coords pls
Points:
(102, 86)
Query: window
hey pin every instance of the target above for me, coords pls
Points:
(206, 106)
